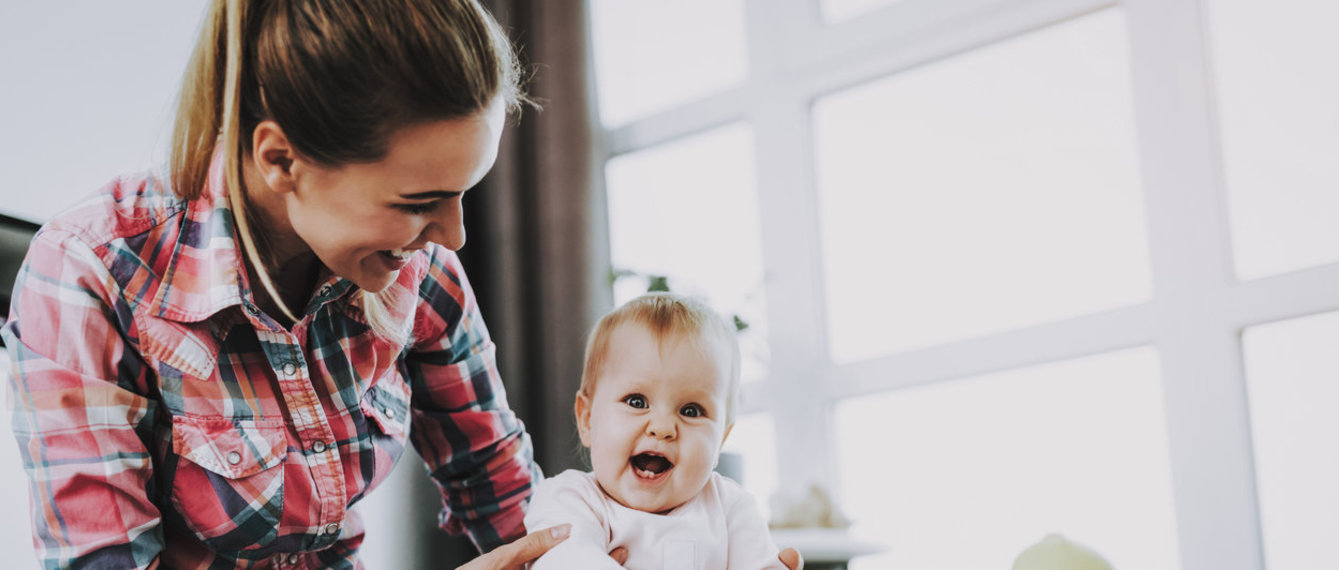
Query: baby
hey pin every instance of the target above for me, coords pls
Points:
(657, 400)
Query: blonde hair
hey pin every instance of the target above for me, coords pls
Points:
(666, 315)
(339, 77)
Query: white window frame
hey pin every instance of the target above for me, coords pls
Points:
(1194, 318)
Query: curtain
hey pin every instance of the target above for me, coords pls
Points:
(537, 251)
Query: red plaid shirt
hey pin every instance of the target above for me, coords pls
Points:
(161, 415)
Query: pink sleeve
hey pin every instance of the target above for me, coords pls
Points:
(751, 546)
(571, 498)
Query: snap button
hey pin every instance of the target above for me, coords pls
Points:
(389, 413)
(251, 309)
(234, 458)
(332, 528)
(292, 558)
(290, 368)
(319, 447)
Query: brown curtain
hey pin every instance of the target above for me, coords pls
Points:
(537, 253)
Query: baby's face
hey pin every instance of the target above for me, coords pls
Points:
(656, 419)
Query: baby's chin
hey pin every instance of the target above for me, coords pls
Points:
(660, 500)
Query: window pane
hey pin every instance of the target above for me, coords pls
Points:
(1292, 377)
(968, 473)
(842, 10)
(990, 191)
(754, 440)
(1278, 111)
(688, 210)
(650, 56)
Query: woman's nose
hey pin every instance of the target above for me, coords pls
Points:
(448, 228)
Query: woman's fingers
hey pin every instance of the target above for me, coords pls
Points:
(792, 559)
(525, 549)
(620, 555)
(535, 544)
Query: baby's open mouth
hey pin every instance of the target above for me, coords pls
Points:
(650, 465)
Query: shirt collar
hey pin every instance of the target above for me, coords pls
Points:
(205, 272)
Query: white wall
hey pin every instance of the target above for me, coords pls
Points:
(88, 93)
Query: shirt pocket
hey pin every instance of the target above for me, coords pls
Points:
(385, 405)
(228, 483)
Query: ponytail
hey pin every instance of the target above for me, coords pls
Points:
(202, 122)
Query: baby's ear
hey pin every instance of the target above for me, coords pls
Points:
(582, 411)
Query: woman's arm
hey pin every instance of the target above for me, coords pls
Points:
(476, 449)
(79, 412)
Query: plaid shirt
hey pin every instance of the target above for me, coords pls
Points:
(161, 415)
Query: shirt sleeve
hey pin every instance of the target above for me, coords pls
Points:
(751, 546)
(570, 498)
(79, 412)
(475, 447)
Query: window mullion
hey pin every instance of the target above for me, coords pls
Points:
(1208, 429)
(789, 224)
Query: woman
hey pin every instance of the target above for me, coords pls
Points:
(211, 367)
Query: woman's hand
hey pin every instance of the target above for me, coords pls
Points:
(515, 555)
(792, 559)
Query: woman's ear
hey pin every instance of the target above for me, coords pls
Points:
(273, 156)
(582, 411)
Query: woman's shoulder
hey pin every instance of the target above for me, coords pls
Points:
(125, 207)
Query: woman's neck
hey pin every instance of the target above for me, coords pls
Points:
(291, 265)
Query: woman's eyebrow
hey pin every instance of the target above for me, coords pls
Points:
(432, 194)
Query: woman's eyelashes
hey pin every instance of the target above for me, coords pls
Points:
(419, 209)
(435, 198)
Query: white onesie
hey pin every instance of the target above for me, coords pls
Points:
(719, 528)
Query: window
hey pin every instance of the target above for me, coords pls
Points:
(985, 230)
(1291, 368)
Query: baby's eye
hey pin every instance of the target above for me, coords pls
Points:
(417, 209)
(693, 411)
(635, 400)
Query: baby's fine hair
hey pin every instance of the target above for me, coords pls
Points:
(666, 315)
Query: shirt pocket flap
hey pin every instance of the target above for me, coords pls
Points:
(388, 408)
(231, 448)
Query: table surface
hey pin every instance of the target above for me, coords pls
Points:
(825, 546)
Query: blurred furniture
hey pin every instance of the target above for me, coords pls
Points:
(15, 233)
